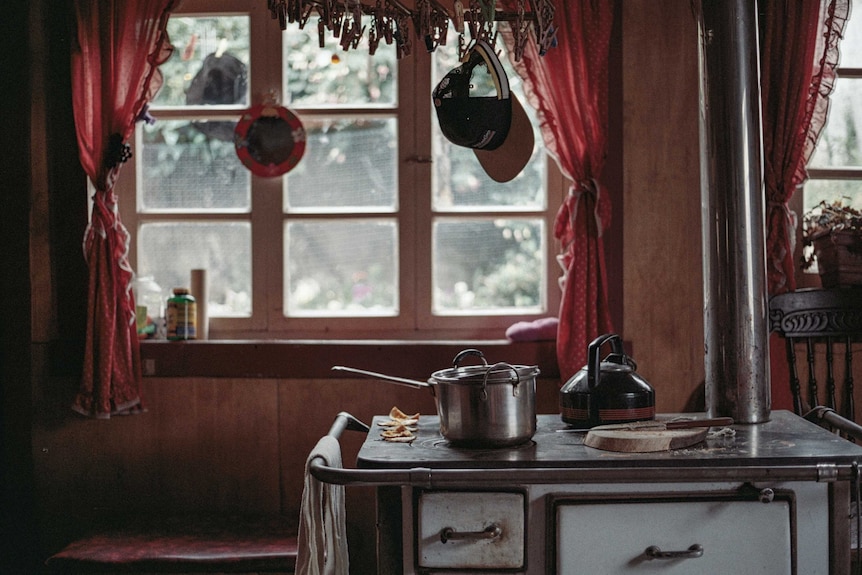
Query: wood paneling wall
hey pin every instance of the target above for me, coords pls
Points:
(210, 445)
(663, 277)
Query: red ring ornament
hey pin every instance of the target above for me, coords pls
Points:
(269, 140)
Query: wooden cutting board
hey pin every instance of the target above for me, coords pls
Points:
(644, 440)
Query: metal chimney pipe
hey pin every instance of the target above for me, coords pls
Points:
(732, 198)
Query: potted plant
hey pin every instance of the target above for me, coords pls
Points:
(832, 236)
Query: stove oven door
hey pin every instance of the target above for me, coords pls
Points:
(694, 536)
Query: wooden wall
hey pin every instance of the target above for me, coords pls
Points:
(663, 277)
(209, 445)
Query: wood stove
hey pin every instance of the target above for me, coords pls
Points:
(772, 497)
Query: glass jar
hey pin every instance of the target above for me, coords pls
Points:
(181, 315)
(149, 306)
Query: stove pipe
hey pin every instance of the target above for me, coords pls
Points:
(732, 198)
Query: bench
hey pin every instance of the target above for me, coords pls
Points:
(210, 544)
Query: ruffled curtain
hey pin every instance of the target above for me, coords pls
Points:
(115, 57)
(568, 87)
(799, 52)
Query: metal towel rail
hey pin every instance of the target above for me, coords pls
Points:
(428, 478)
(835, 422)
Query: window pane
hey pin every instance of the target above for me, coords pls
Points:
(329, 76)
(341, 268)
(169, 251)
(350, 165)
(190, 165)
(849, 192)
(460, 183)
(209, 65)
(839, 144)
(851, 44)
(488, 265)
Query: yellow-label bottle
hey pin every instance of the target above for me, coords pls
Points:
(181, 313)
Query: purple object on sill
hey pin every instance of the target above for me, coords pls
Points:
(542, 329)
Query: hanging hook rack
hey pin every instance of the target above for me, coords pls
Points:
(430, 20)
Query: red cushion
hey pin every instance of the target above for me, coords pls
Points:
(228, 544)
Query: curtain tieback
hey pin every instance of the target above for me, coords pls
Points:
(589, 186)
(565, 224)
(791, 220)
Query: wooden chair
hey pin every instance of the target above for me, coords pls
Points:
(817, 322)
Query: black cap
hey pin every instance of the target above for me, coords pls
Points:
(495, 127)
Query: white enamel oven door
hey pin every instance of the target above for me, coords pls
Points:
(674, 537)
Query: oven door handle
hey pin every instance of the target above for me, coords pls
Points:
(693, 552)
(492, 531)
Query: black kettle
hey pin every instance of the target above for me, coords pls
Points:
(608, 391)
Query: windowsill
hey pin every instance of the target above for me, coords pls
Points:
(313, 359)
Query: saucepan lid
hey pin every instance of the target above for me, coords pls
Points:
(484, 374)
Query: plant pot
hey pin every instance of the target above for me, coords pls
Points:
(839, 258)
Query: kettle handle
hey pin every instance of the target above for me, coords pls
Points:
(594, 360)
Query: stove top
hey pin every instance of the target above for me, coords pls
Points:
(786, 439)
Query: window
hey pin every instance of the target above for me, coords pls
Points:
(835, 168)
(383, 230)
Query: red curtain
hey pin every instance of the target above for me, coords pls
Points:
(568, 86)
(799, 52)
(115, 58)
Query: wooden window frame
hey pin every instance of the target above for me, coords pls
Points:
(415, 214)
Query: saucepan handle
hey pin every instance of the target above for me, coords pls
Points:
(399, 380)
(464, 353)
(499, 367)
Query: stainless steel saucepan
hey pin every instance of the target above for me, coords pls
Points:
(479, 405)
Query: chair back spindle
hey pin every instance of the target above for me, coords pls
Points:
(826, 323)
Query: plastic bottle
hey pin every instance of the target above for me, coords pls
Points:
(149, 306)
(181, 313)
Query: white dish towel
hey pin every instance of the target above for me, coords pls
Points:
(322, 537)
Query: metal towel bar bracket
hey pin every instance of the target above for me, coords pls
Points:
(835, 421)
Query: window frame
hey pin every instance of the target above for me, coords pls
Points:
(844, 172)
(809, 278)
(415, 215)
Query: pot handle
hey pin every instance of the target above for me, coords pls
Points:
(594, 360)
(464, 353)
(384, 377)
(498, 366)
